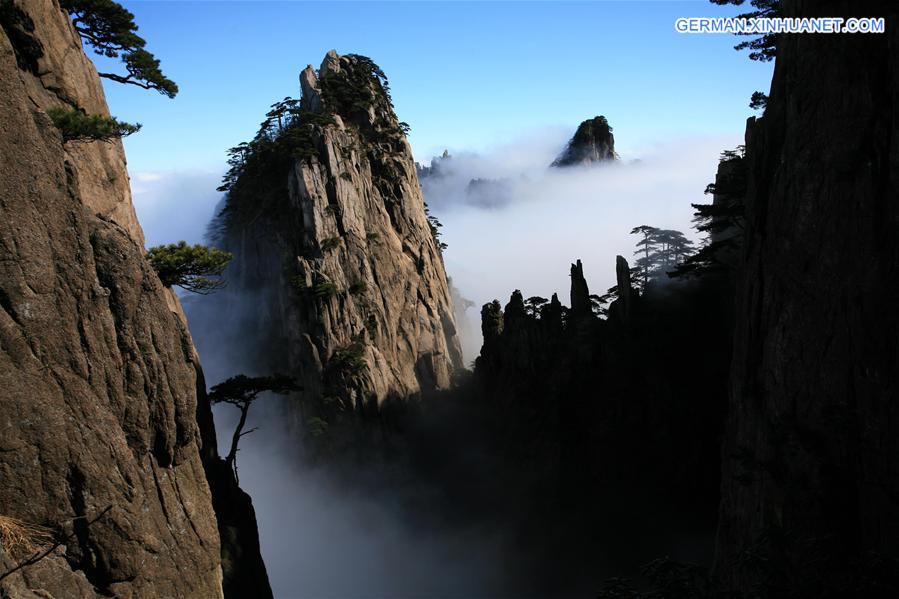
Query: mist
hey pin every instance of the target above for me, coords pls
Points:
(328, 531)
(333, 534)
(175, 205)
(538, 219)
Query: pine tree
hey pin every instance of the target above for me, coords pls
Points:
(110, 29)
(763, 48)
(194, 268)
(241, 391)
(647, 247)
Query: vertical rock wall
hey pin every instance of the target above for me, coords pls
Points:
(810, 480)
(99, 381)
(350, 278)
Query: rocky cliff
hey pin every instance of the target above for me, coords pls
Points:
(617, 419)
(100, 382)
(343, 262)
(810, 502)
(592, 142)
(590, 387)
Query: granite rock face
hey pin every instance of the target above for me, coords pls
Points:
(810, 481)
(593, 142)
(348, 274)
(99, 381)
(65, 71)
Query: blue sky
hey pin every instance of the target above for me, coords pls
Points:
(465, 75)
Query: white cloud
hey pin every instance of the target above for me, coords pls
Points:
(312, 528)
(547, 218)
(175, 205)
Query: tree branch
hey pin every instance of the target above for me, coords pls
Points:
(254, 429)
(128, 79)
(38, 556)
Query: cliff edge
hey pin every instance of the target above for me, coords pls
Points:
(99, 381)
(809, 496)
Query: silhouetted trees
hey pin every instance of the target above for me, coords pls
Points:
(644, 247)
(762, 48)
(534, 304)
(721, 221)
(196, 268)
(659, 252)
(241, 391)
(758, 100)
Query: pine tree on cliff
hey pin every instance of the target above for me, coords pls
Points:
(646, 246)
(75, 125)
(660, 251)
(534, 304)
(673, 247)
(721, 221)
(110, 29)
(763, 48)
(196, 268)
(241, 391)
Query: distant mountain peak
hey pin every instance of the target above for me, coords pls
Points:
(592, 142)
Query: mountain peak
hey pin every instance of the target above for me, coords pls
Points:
(592, 142)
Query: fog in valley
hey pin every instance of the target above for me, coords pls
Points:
(339, 535)
(520, 233)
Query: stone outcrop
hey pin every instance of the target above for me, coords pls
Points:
(349, 274)
(810, 484)
(593, 142)
(580, 293)
(99, 382)
(621, 308)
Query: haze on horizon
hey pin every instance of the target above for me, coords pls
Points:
(505, 105)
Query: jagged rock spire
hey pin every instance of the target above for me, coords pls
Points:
(491, 320)
(625, 290)
(515, 307)
(365, 276)
(580, 293)
(592, 142)
(623, 276)
(553, 312)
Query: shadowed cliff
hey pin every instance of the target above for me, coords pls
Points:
(810, 486)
